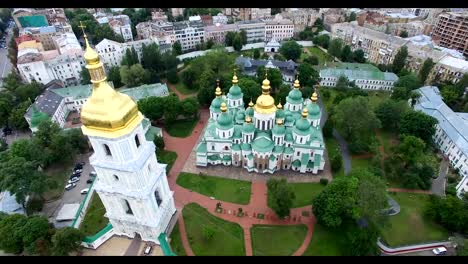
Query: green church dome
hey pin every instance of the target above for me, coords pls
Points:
(314, 110)
(216, 104)
(235, 92)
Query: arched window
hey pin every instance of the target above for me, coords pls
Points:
(127, 208)
(107, 149)
(116, 177)
(137, 141)
(158, 198)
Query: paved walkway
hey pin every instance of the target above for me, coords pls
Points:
(258, 200)
(344, 151)
(438, 184)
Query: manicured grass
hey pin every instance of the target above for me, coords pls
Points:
(271, 240)
(322, 56)
(333, 148)
(234, 191)
(305, 193)
(410, 226)
(182, 88)
(59, 174)
(176, 242)
(167, 157)
(181, 128)
(94, 220)
(360, 163)
(228, 238)
(325, 242)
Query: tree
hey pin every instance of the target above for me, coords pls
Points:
(308, 76)
(16, 118)
(189, 78)
(134, 75)
(411, 149)
(410, 82)
(362, 241)
(229, 39)
(274, 76)
(281, 198)
(342, 83)
(208, 232)
(159, 142)
(250, 89)
(28, 91)
(400, 59)
(336, 162)
(77, 140)
(450, 94)
(45, 132)
(35, 233)
(356, 121)
(243, 35)
(347, 54)
(171, 108)
(12, 241)
(404, 34)
(450, 212)
(189, 107)
(84, 75)
(334, 48)
(400, 93)
(389, 113)
(318, 24)
(114, 76)
(26, 149)
(275, 11)
(237, 43)
(60, 147)
(11, 81)
(358, 56)
(425, 70)
(312, 60)
(152, 107)
(322, 40)
(256, 54)
(106, 32)
(352, 17)
(177, 48)
(210, 43)
(66, 240)
(291, 50)
(418, 124)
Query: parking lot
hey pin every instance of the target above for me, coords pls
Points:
(74, 195)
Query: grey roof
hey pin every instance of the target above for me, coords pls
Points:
(249, 64)
(47, 102)
(453, 124)
(185, 24)
(9, 205)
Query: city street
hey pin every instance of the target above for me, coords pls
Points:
(5, 65)
(71, 196)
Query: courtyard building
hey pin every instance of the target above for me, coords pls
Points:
(451, 31)
(189, 34)
(249, 66)
(255, 30)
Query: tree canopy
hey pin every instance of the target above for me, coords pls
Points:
(291, 50)
(281, 196)
(400, 60)
(418, 124)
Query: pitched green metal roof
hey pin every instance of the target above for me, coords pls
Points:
(235, 92)
(33, 21)
(355, 71)
(248, 128)
(146, 90)
(250, 156)
(288, 150)
(272, 158)
(310, 164)
(262, 143)
(152, 132)
(278, 130)
(201, 148)
(296, 163)
(236, 147)
(317, 159)
(278, 149)
(37, 116)
(245, 146)
(76, 92)
(226, 157)
(305, 158)
(214, 157)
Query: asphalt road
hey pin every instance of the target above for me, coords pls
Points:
(71, 196)
(5, 65)
(438, 184)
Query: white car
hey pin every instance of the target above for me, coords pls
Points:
(70, 186)
(74, 179)
(439, 251)
(84, 191)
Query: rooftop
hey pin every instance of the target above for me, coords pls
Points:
(461, 65)
(355, 71)
(33, 21)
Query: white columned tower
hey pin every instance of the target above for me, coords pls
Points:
(130, 182)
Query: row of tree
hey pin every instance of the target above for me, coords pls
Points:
(34, 235)
(168, 107)
(344, 53)
(236, 39)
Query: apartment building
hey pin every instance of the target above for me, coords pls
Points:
(451, 31)
(163, 31)
(218, 32)
(220, 19)
(301, 17)
(255, 30)
(260, 13)
(279, 29)
(451, 135)
(449, 69)
(189, 34)
(43, 34)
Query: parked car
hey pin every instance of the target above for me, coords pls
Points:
(74, 174)
(84, 191)
(73, 180)
(70, 186)
(78, 166)
(77, 171)
(440, 251)
(148, 249)
(92, 174)
(89, 181)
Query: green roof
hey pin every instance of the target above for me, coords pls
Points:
(214, 157)
(314, 110)
(33, 21)
(355, 71)
(278, 130)
(250, 156)
(76, 92)
(294, 97)
(216, 104)
(201, 148)
(245, 146)
(263, 143)
(145, 122)
(236, 147)
(280, 113)
(278, 149)
(235, 92)
(146, 90)
(272, 158)
(152, 132)
(37, 116)
(296, 163)
(288, 150)
(302, 127)
(305, 158)
(226, 157)
(310, 164)
(317, 159)
(248, 128)
(249, 111)
(225, 121)
(288, 137)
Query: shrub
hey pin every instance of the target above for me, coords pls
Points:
(336, 161)
(323, 181)
(451, 190)
(34, 205)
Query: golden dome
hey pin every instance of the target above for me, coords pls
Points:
(265, 103)
(279, 121)
(279, 106)
(234, 78)
(296, 83)
(305, 113)
(314, 97)
(248, 119)
(107, 113)
(218, 92)
(223, 107)
(251, 104)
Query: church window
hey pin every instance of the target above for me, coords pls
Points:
(107, 149)
(116, 177)
(298, 153)
(212, 147)
(158, 198)
(226, 148)
(137, 141)
(127, 208)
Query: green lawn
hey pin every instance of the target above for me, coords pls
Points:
(333, 148)
(305, 193)
(181, 128)
(360, 163)
(325, 242)
(228, 238)
(176, 242)
(234, 191)
(410, 226)
(322, 56)
(180, 86)
(167, 157)
(94, 220)
(271, 240)
(59, 174)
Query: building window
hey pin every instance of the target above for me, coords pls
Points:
(158, 198)
(212, 147)
(137, 141)
(107, 149)
(127, 208)
(116, 177)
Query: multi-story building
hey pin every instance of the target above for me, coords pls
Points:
(449, 69)
(43, 34)
(264, 137)
(279, 29)
(255, 30)
(177, 12)
(158, 16)
(451, 31)
(365, 76)
(451, 135)
(67, 43)
(189, 34)
(161, 30)
(218, 32)
(112, 52)
(121, 25)
(301, 17)
(220, 19)
(260, 13)
(249, 66)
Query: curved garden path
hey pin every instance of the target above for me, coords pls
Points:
(258, 199)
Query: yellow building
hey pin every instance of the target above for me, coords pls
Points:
(31, 44)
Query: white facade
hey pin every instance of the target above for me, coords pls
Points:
(260, 13)
(255, 30)
(132, 185)
(112, 52)
(189, 34)
(220, 18)
(281, 29)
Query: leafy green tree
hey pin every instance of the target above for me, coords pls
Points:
(177, 48)
(243, 35)
(274, 76)
(450, 212)
(291, 50)
(208, 233)
(342, 83)
(404, 34)
(352, 17)
(28, 91)
(358, 56)
(26, 149)
(77, 140)
(322, 40)
(12, 116)
(410, 81)
(189, 78)
(250, 89)
(347, 54)
(45, 132)
(11, 81)
(229, 39)
(362, 241)
(256, 54)
(318, 24)
(335, 47)
(171, 108)
(189, 107)
(418, 124)
(450, 94)
(281, 198)
(237, 43)
(152, 107)
(308, 76)
(106, 32)
(336, 162)
(411, 149)
(389, 113)
(35, 233)
(61, 149)
(134, 75)
(84, 75)
(282, 93)
(12, 241)
(400, 59)
(425, 70)
(66, 240)
(159, 142)
(400, 93)
(114, 76)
